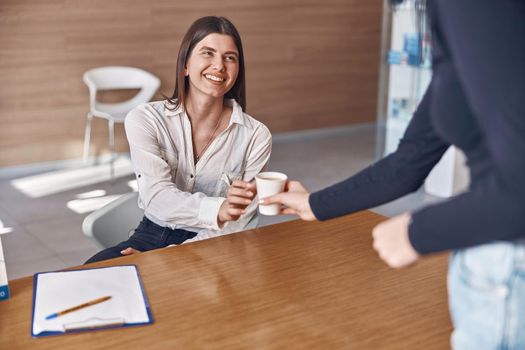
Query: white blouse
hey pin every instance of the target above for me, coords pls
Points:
(173, 191)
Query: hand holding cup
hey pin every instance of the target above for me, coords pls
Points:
(294, 201)
(239, 196)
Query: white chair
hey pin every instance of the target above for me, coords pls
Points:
(112, 78)
(114, 222)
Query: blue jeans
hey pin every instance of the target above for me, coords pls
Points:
(147, 236)
(486, 288)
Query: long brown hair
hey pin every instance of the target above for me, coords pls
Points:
(198, 31)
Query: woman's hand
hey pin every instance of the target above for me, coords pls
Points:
(392, 243)
(294, 199)
(239, 196)
(129, 251)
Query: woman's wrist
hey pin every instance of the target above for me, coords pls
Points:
(308, 211)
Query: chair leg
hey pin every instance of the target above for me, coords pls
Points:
(87, 138)
(112, 149)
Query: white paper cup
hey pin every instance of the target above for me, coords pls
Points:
(269, 183)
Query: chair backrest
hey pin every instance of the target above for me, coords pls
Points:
(118, 77)
(112, 223)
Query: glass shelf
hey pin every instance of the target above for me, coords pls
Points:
(405, 73)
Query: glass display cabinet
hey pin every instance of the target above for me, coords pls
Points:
(405, 73)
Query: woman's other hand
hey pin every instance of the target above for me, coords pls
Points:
(392, 243)
(239, 196)
(294, 199)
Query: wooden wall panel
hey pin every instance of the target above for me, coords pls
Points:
(310, 64)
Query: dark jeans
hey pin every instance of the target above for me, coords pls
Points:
(147, 236)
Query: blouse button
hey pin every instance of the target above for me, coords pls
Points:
(191, 176)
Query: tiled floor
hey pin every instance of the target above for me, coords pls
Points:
(44, 208)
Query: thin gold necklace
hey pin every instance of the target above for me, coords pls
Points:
(198, 156)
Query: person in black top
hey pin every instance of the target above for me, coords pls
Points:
(475, 101)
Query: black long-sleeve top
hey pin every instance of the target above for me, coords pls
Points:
(475, 101)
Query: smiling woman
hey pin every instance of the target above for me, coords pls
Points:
(211, 71)
(214, 68)
(195, 153)
(204, 37)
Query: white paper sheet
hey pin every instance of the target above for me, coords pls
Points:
(57, 291)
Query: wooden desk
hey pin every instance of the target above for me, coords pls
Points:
(294, 285)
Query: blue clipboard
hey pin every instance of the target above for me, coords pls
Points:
(58, 290)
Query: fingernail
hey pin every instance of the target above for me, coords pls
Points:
(261, 201)
(249, 193)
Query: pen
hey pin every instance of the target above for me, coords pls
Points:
(78, 307)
